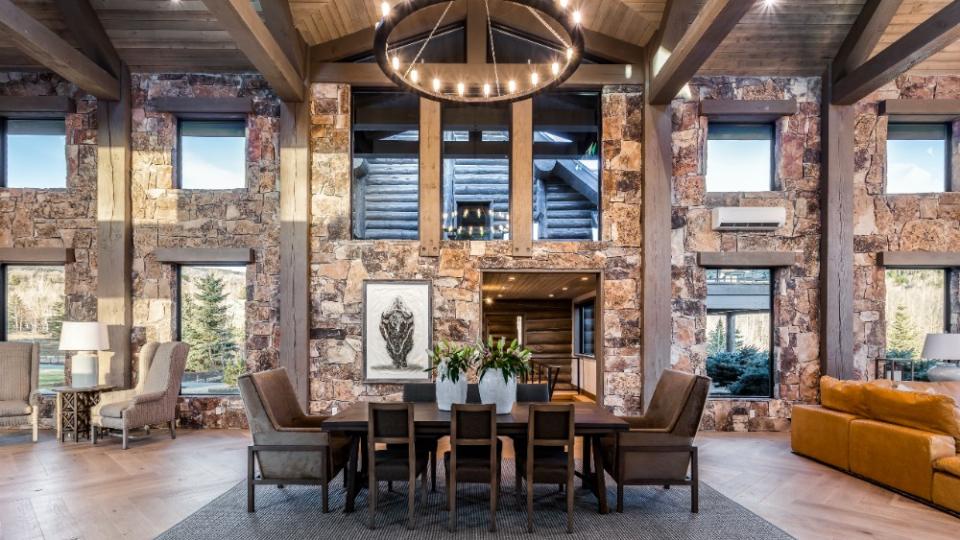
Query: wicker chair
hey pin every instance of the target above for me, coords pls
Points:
(19, 382)
(154, 399)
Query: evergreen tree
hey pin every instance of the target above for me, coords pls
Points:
(902, 333)
(206, 326)
(717, 339)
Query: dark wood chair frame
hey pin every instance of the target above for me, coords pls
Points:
(410, 442)
(533, 442)
(455, 443)
(253, 480)
(693, 480)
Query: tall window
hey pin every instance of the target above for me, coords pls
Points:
(211, 320)
(213, 154)
(476, 172)
(566, 175)
(584, 328)
(35, 153)
(740, 157)
(740, 332)
(33, 308)
(916, 305)
(917, 158)
(386, 181)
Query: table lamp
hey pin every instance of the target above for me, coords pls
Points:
(85, 338)
(942, 347)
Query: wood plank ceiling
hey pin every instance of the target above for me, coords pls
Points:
(792, 37)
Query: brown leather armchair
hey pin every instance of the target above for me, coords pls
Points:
(659, 449)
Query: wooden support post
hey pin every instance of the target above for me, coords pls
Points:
(477, 33)
(521, 178)
(114, 234)
(836, 239)
(431, 140)
(295, 246)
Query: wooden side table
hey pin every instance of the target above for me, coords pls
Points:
(73, 409)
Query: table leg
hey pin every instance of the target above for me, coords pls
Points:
(585, 461)
(351, 473)
(59, 416)
(600, 481)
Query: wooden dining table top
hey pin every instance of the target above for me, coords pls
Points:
(588, 419)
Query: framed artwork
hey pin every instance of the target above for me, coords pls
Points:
(397, 330)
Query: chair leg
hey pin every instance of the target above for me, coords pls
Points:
(423, 484)
(93, 434)
(250, 485)
(666, 486)
(494, 499)
(126, 438)
(530, 493)
(411, 497)
(518, 482)
(324, 487)
(372, 489)
(694, 482)
(621, 475)
(35, 421)
(173, 429)
(570, 496)
(452, 500)
(390, 486)
(433, 469)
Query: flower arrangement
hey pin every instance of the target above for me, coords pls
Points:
(510, 360)
(450, 361)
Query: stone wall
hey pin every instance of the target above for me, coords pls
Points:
(339, 265)
(928, 222)
(795, 301)
(164, 217)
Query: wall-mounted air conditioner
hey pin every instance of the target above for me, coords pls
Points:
(739, 218)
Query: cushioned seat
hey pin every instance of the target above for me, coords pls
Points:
(473, 462)
(550, 464)
(115, 410)
(15, 408)
(948, 465)
(392, 463)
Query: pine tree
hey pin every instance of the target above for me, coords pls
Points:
(902, 333)
(206, 326)
(717, 340)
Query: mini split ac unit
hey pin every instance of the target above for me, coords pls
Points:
(739, 218)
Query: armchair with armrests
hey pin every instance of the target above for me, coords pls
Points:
(19, 385)
(658, 449)
(154, 399)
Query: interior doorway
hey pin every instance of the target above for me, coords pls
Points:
(555, 315)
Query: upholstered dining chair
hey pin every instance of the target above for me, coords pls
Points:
(549, 456)
(19, 385)
(424, 393)
(474, 456)
(153, 401)
(392, 424)
(527, 393)
(659, 447)
(288, 445)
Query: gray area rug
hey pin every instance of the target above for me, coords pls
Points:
(293, 513)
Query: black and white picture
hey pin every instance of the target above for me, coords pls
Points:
(397, 330)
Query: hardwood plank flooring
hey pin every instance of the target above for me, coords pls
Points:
(54, 491)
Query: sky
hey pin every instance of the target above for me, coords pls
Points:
(36, 161)
(738, 165)
(916, 166)
(214, 163)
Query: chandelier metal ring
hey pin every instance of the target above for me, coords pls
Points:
(467, 87)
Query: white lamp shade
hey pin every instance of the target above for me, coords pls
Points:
(84, 336)
(942, 347)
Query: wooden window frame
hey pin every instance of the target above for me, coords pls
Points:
(4, 132)
(774, 183)
(211, 119)
(949, 179)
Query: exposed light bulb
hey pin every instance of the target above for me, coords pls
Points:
(569, 53)
(769, 3)
(628, 71)
(414, 75)
(396, 63)
(436, 84)
(534, 78)
(511, 86)
(563, 3)
(577, 17)
(460, 89)
(555, 68)
(486, 89)
(385, 9)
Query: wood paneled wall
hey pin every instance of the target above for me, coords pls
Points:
(547, 328)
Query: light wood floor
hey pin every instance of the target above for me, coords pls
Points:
(55, 491)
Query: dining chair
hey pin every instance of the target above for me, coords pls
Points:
(527, 393)
(391, 424)
(424, 393)
(549, 456)
(474, 456)
(473, 393)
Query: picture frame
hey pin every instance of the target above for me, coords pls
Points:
(397, 331)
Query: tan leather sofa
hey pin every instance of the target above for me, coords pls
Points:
(902, 435)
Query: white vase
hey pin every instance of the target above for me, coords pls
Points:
(494, 390)
(449, 392)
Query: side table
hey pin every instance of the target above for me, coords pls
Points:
(73, 409)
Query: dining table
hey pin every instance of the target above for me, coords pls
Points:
(591, 422)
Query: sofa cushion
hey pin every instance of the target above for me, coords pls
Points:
(15, 359)
(14, 408)
(929, 412)
(946, 491)
(946, 388)
(115, 410)
(848, 396)
(822, 434)
(948, 465)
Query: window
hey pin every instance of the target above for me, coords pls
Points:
(213, 154)
(476, 172)
(212, 321)
(585, 322)
(740, 332)
(33, 308)
(35, 153)
(740, 157)
(916, 305)
(566, 167)
(917, 159)
(386, 180)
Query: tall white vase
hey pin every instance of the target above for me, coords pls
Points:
(449, 392)
(494, 390)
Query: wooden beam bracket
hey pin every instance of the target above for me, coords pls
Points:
(747, 259)
(40, 255)
(738, 110)
(203, 107)
(36, 106)
(204, 255)
(920, 110)
(919, 259)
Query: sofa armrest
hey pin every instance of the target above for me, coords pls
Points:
(147, 398)
(35, 398)
(651, 437)
(115, 396)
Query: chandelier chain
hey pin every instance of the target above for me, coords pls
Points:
(548, 27)
(429, 37)
(493, 48)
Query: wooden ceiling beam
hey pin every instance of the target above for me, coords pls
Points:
(715, 20)
(86, 28)
(864, 35)
(243, 23)
(926, 39)
(676, 18)
(279, 20)
(477, 33)
(50, 50)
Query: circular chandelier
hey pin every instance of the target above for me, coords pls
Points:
(479, 83)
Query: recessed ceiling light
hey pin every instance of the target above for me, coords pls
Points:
(584, 278)
(551, 295)
(512, 278)
(566, 289)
